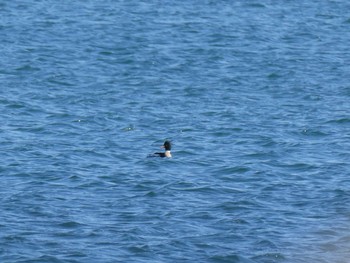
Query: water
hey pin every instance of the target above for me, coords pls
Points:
(254, 96)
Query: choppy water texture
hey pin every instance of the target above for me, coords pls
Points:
(254, 95)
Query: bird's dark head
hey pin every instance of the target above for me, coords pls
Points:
(167, 145)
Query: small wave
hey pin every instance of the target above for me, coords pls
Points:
(70, 225)
(270, 257)
(340, 121)
(230, 258)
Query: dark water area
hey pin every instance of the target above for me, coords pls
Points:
(253, 95)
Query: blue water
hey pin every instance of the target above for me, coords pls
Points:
(253, 94)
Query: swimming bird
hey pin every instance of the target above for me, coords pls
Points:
(167, 153)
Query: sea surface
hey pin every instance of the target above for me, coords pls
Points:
(254, 95)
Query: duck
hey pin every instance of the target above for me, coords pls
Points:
(167, 153)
